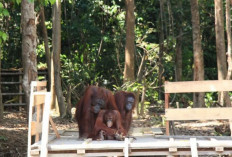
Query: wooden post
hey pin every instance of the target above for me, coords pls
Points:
(167, 95)
(126, 147)
(193, 144)
(230, 123)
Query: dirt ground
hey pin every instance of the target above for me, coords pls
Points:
(13, 130)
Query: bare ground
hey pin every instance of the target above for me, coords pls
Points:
(13, 130)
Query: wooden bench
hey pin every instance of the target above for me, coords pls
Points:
(179, 114)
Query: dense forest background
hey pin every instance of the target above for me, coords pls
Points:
(93, 38)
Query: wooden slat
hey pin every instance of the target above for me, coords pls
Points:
(54, 127)
(36, 128)
(10, 83)
(38, 83)
(15, 104)
(198, 86)
(3, 94)
(38, 100)
(44, 139)
(193, 144)
(198, 113)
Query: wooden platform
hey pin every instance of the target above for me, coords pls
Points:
(146, 145)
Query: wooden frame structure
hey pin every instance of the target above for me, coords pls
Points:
(16, 76)
(196, 113)
(149, 144)
(38, 126)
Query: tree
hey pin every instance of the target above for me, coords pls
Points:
(220, 49)
(1, 104)
(56, 43)
(161, 48)
(130, 45)
(3, 37)
(198, 98)
(178, 56)
(29, 38)
(229, 41)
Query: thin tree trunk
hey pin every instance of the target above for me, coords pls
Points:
(179, 46)
(229, 41)
(198, 98)
(143, 99)
(161, 49)
(47, 50)
(56, 56)
(69, 104)
(1, 104)
(29, 37)
(130, 45)
(220, 48)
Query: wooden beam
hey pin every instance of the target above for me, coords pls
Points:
(193, 145)
(36, 128)
(198, 113)
(39, 100)
(198, 86)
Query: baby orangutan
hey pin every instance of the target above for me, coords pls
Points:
(108, 126)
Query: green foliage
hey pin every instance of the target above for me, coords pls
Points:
(3, 13)
(93, 43)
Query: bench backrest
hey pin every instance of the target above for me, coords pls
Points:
(196, 113)
(198, 86)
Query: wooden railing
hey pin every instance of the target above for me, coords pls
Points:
(11, 83)
(172, 114)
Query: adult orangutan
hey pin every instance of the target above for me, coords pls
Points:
(87, 109)
(125, 102)
(108, 126)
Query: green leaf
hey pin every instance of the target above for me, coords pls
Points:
(18, 1)
(1, 5)
(4, 36)
(6, 13)
(52, 1)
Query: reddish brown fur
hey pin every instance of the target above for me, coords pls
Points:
(126, 116)
(109, 133)
(84, 111)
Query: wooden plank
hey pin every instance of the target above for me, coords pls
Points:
(198, 113)
(39, 100)
(54, 127)
(230, 123)
(36, 128)
(38, 83)
(193, 144)
(15, 104)
(139, 131)
(44, 140)
(12, 94)
(10, 83)
(126, 147)
(198, 86)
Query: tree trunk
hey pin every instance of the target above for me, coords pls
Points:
(69, 103)
(47, 50)
(179, 46)
(229, 42)
(198, 98)
(130, 45)
(1, 104)
(220, 49)
(56, 38)
(161, 49)
(29, 37)
(143, 98)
